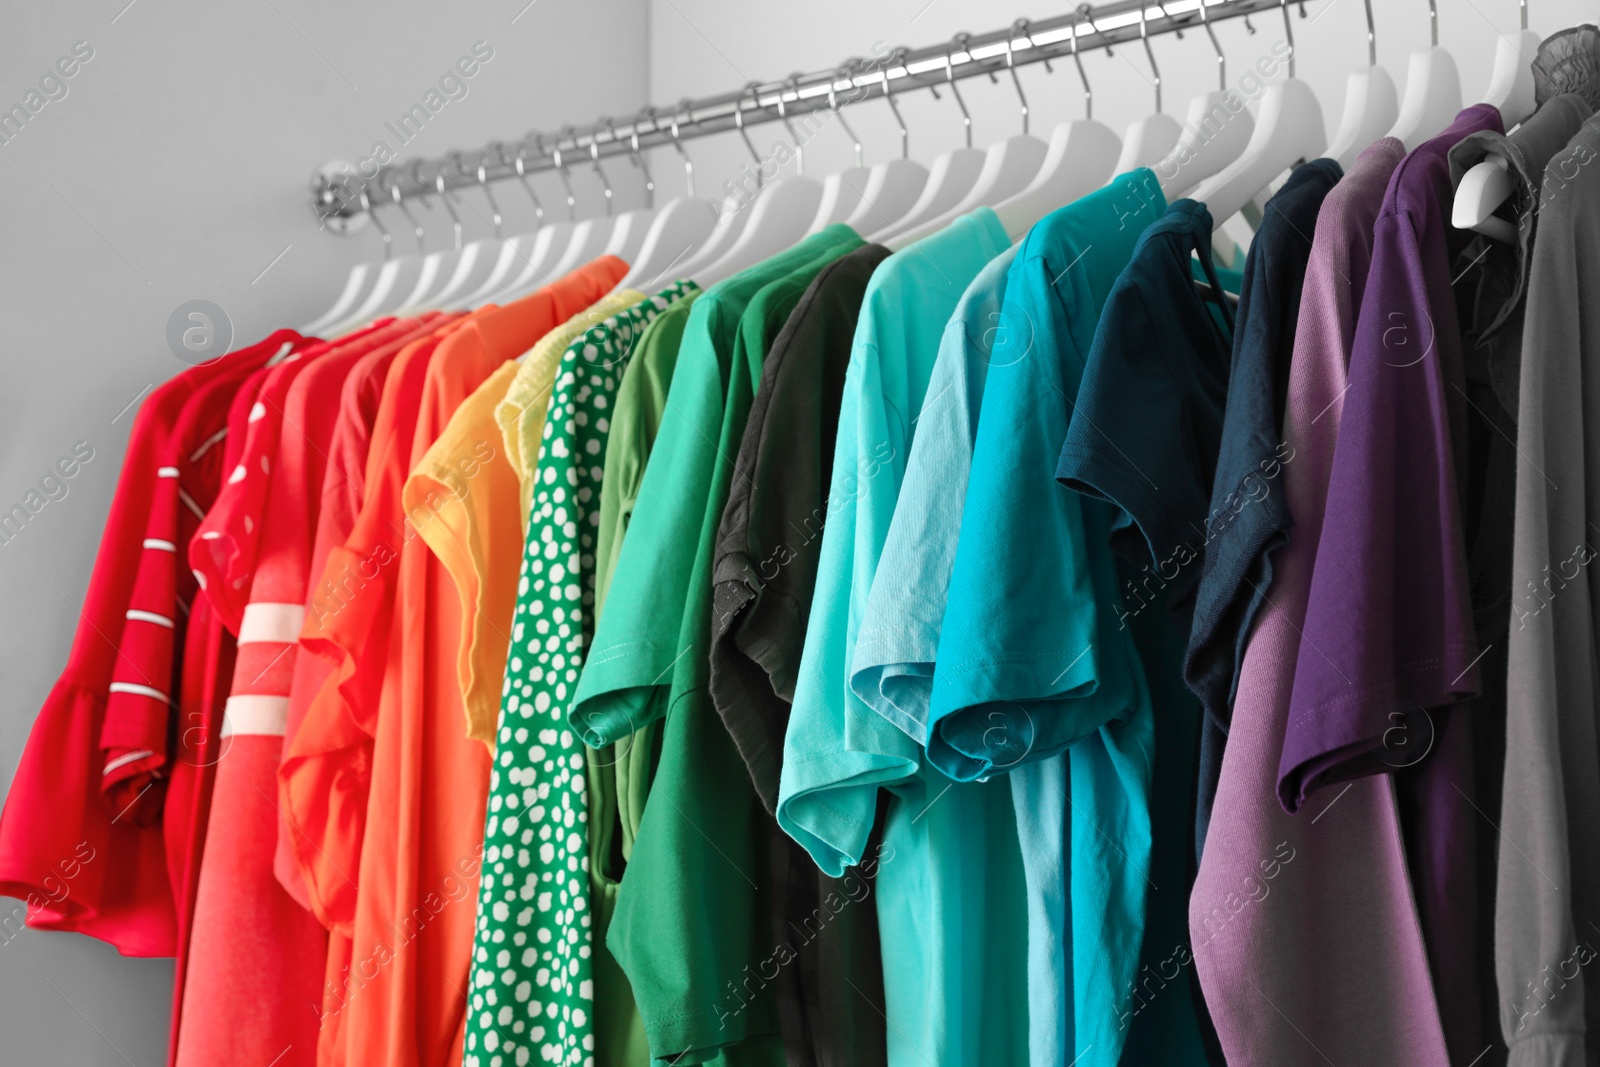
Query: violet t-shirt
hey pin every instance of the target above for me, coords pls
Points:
(1276, 891)
(1389, 643)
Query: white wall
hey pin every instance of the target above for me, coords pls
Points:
(176, 167)
(699, 47)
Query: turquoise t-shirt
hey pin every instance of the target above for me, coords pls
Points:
(1036, 662)
(951, 896)
(892, 670)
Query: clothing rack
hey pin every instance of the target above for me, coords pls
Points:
(339, 193)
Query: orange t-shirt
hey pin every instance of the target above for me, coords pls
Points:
(404, 992)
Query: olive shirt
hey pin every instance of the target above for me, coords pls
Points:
(689, 918)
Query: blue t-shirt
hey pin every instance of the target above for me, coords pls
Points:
(1031, 660)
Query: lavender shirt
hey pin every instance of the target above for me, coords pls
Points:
(1313, 911)
(1389, 641)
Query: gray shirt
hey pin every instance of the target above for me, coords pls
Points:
(1547, 911)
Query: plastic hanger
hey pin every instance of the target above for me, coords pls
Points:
(676, 231)
(589, 236)
(1371, 106)
(548, 243)
(778, 218)
(892, 187)
(627, 234)
(1487, 185)
(478, 258)
(1433, 91)
(1290, 129)
(396, 278)
(841, 192)
(1008, 165)
(357, 282)
(1082, 155)
(438, 268)
(1153, 136)
(515, 251)
(730, 222)
(1214, 133)
(952, 175)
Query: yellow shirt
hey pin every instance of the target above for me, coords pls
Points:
(521, 413)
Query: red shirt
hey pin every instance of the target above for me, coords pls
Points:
(55, 821)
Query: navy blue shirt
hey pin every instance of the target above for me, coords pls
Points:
(1249, 516)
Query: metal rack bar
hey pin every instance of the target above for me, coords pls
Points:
(336, 196)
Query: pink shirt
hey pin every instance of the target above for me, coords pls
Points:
(1338, 947)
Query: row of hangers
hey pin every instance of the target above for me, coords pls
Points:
(899, 201)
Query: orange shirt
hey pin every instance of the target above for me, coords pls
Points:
(386, 789)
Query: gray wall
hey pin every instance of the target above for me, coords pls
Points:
(176, 167)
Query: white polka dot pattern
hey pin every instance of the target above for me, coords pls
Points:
(532, 994)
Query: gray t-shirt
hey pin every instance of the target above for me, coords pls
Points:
(1547, 909)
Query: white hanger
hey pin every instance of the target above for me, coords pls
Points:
(1008, 165)
(729, 224)
(548, 243)
(951, 177)
(515, 250)
(438, 268)
(356, 283)
(1290, 129)
(892, 187)
(396, 278)
(1433, 91)
(1487, 185)
(1371, 106)
(778, 218)
(628, 229)
(676, 231)
(1082, 155)
(841, 192)
(1153, 136)
(1201, 153)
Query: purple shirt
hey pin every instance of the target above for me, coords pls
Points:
(1339, 938)
(1389, 642)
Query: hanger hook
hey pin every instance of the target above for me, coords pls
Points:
(1433, 26)
(1288, 31)
(783, 116)
(1222, 60)
(522, 176)
(1177, 30)
(1372, 38)
(1027, 35)
(1088, 93)
(688, 164)
(594, 158)
(754, 88)
(847, 69)
(888, 96)
(561, 169)
(637, 156)
(416, 227)
(444, 197)
(483, 180)
(1149, 53)
(950, 79)
(388, 241)
(1523, 4)
(1011, 65)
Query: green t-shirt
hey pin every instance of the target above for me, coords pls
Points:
(619, 775)
(532, 987)
(689, 918)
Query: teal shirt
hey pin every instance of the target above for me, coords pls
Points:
(950, 891)
(1036, 664)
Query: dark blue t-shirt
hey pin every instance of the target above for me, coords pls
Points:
(1249, 516)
